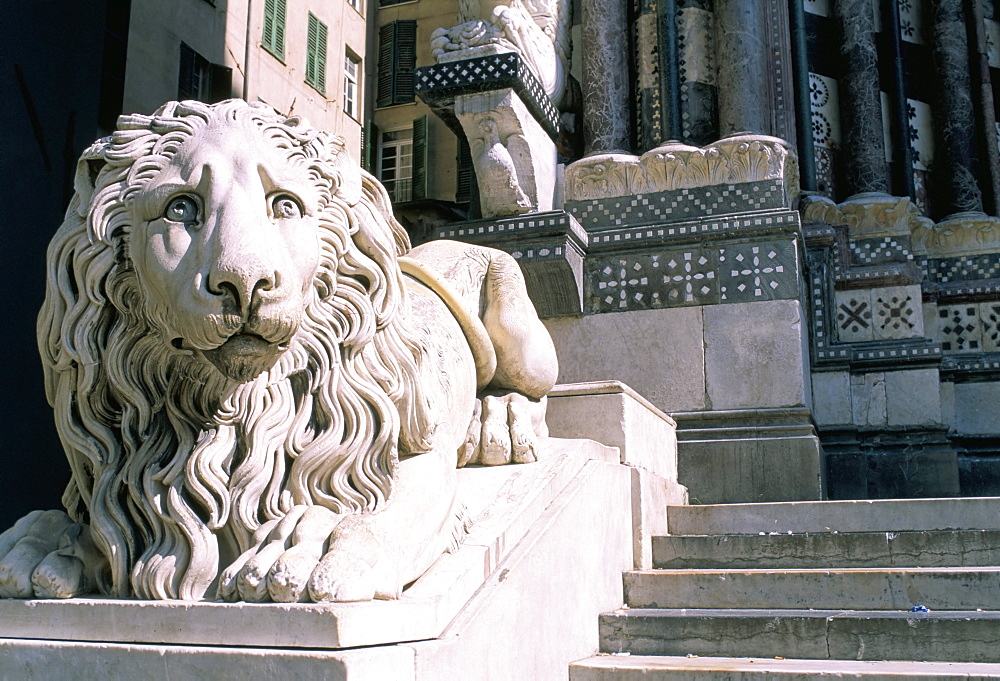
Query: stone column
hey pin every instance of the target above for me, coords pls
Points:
(860, 103)
(740, 29)
(955, 123)
(605, 77)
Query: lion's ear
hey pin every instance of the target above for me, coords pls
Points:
(87, 168)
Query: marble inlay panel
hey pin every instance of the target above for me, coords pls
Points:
(965, 268)
(825, 100)
(921, 133)
(880, 250)
(679, 204)
(695, 31)
(897, 312)
(758, 271)
(912, 27)
(854, 316)
(958, 328)
(989, 316)
(817, 7)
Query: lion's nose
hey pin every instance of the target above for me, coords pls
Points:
(241, 285)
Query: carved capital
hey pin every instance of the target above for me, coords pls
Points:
(960, 234)
(733, 160)
(866, 215)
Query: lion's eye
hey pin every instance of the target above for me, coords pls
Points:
(284, 207)
(182, 209)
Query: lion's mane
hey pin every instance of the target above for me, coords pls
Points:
(173, 465)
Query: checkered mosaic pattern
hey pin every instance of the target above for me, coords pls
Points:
(880, 250)
(532, 224)
(481, 74)
(692, 276)
(678, 204)
(677, 231)
(966, 268)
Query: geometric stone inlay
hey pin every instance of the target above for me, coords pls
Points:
(677, 204)
(880, 250)
(989, 315)
(964, 268)
(854, 316)
(623, 284)
(897, 312)
(758, 271)
(958, 328)
(689, 278)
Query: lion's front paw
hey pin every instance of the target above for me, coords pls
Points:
(505, 429)
(47, 555)
(312, 554)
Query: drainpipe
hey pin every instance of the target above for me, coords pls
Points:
(803, 104)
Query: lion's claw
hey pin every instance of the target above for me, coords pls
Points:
(47, 555)
(506, 430)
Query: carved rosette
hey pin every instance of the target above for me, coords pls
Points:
(734, 160)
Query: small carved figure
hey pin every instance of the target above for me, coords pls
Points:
(538, 30)
(259, 396)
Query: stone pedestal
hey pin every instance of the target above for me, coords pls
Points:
(514, 158)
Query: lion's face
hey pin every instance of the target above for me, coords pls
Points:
(225, 248)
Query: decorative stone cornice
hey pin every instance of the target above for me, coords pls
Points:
(733, 160)
(866, 215)
(959, 234)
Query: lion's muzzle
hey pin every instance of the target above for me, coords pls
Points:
(243, 356)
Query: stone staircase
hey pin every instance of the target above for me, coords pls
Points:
(807, 590)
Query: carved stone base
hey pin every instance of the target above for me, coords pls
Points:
(549, 247)
(514, 158)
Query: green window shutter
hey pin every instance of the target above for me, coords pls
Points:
(463, 190)
(386, 51)
(369, 147)
(273, 39)
(316, 54)
(420, 158)
(406, 60)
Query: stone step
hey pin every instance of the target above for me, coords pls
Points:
(838, 588)
(959, 548)
(644, 668)
(945, 636)
(883, 515)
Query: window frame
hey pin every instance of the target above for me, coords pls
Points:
(352, 79)
(273, 28)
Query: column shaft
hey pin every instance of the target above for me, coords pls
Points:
(955, 122)
(740, 29)
(860, 103)
(605, 77)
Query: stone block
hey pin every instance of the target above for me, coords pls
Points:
(846, 475)
(977, 408)
(751, 470)
(831, 398)
(651, 495)
(989, 316)
(913, 397)
(948, 404)
(754, 355)
(913, 472)
(868, 400)
(659, 353)
(612, 413)
(979, 476)
(854, 316)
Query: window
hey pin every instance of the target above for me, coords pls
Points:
(202, 80)
(351, 69)
(397, 56)
(387, 3)
(316, 54)
(274, 28)
(395, 164)
(356, 4)
(402, 161)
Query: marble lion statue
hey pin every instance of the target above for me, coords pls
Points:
(260, 397)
